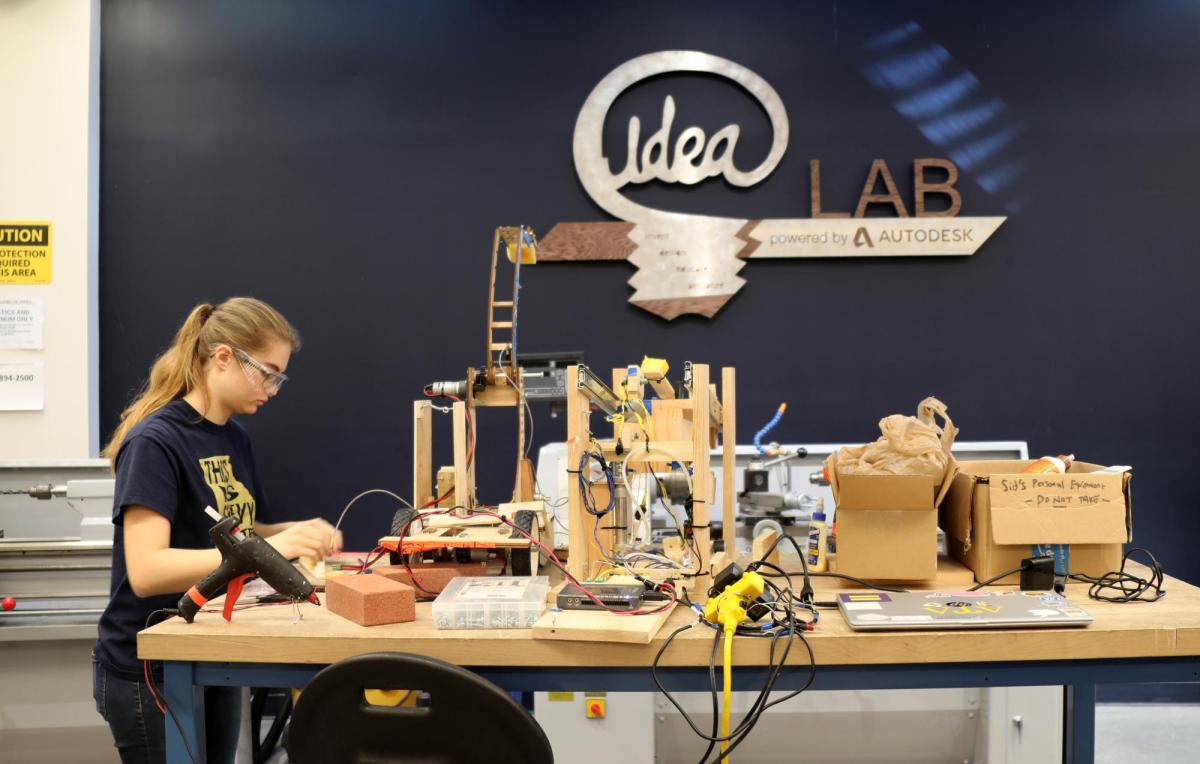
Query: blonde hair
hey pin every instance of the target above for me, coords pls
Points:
(240, 322)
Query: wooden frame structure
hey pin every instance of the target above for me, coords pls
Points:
(497, 383)
(685, 429)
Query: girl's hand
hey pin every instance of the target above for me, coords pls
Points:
(313, 538)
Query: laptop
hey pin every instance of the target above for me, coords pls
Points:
(958, 610)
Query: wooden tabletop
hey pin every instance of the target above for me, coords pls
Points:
(1167, 628)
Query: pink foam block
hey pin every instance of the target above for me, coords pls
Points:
(370, 600)
(432, 577)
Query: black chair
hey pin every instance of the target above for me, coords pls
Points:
(467, 719)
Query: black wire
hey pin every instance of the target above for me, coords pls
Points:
(788, 625)
(1132, 588)
(167, 613)
(585, 485)
(859, 581)
(791, 628)
(755, 714)
(806, 592)
(993, 579)
(712, 689)
(666, 693)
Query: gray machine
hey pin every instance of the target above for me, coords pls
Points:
(55, 565)
(782, 509)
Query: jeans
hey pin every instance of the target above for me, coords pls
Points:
(138, 727)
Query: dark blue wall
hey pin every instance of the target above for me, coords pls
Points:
(347, 162)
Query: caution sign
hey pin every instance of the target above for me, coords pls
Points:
(25, 252)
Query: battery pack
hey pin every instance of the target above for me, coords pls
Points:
(615, 596)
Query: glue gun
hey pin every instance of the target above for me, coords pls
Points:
(243, 558)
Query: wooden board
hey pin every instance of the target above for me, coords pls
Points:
(598, 626)
(1170, 627)
(764, 541)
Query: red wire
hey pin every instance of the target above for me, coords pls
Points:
(545, 549)
(150, 685)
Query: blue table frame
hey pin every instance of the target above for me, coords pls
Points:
(184, 681)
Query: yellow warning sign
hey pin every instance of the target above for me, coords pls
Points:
(25, 252)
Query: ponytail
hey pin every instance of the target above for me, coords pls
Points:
(241, 322)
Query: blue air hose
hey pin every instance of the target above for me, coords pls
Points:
(758, 436)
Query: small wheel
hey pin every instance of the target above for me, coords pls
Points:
(462, 555)
(524, 562)
(403, 517)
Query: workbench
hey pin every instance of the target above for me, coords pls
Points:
(1127, 643)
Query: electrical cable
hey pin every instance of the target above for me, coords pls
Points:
(994, 579)
(784, 629)
(368, 492)
(1132, 588)
(727, 688)
(159, 700)
(666, 587)
(585, 485)
(846, 577)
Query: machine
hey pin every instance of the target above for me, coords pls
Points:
(447, 519)
(55, 566)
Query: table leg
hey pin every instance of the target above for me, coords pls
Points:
(1079, 738)
(186, 701)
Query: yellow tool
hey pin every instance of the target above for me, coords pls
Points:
(728, 610)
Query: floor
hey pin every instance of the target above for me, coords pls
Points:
(1147, 732)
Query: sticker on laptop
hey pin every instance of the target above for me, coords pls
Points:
(862, 605)
(867, 597)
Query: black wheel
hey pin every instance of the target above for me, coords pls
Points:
(524, 562)
(404, 516)
(462, 555)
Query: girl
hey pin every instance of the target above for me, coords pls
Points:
(176, 451)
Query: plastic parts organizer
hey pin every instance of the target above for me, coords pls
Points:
(491, 602)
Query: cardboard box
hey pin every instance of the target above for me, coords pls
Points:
(887, 525)
(994, 515)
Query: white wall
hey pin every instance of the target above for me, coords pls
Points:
(49, 161)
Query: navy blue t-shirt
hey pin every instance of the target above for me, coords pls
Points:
(176, 463)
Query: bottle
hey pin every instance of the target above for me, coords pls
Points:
(1050, 464)
(817, 556)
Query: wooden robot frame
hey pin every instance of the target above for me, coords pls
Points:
(685, 430)
(497, 383)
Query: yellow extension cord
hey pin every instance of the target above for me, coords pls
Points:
(728, 689)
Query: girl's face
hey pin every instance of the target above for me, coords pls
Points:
(241, 381)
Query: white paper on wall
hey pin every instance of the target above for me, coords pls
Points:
(22, 385)
(22, 320)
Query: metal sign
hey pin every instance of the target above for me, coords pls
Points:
(690, 263)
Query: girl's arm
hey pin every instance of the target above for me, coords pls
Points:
(317, 529)
(270, 529)
(153, 566)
